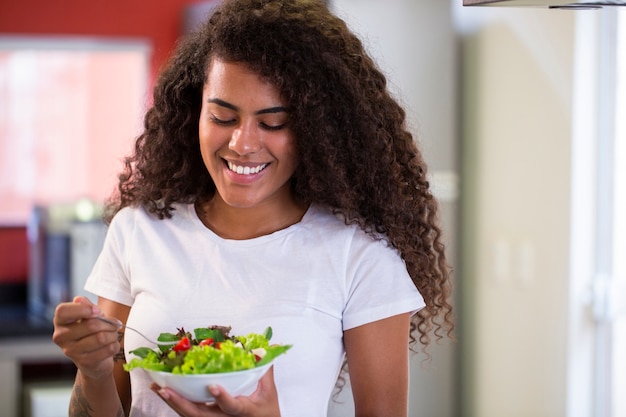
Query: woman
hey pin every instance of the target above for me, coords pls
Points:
(275, 184)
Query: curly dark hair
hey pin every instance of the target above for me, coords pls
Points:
(355, 152)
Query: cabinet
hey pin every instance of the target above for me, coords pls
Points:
(29, 360)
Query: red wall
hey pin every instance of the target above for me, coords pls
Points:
(13, 254)
(158, 21)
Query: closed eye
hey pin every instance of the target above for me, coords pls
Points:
(222, 122)
(273, 128)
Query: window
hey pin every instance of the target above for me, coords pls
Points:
(618, 305)
(69, 111)
(597, 377)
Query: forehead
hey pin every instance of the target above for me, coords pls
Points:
(233, 79)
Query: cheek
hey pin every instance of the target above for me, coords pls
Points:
(204, 143)
(209, 139)
(287, 145)
(208, 150)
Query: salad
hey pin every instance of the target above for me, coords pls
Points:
(209, 350)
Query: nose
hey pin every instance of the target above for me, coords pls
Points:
(245, 139)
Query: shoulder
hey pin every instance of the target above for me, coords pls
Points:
(331, 226)
(323, 216)
(138, 216)
(325, 220)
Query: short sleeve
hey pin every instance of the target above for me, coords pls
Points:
(109, 277)
(379, 285)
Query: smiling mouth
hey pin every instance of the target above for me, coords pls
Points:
(245, 170)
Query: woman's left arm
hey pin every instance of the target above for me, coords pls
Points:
(378, 362)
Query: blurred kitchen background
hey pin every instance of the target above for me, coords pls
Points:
(519, 111)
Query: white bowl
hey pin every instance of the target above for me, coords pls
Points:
(195, 387)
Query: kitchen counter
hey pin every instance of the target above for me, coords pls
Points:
(26, 353)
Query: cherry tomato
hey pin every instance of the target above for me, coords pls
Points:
(183, 345)
(206, 342)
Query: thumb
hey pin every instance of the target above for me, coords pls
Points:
(95, 310)
(266, 387)
(79, 299)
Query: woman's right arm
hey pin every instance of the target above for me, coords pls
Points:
(102, 387)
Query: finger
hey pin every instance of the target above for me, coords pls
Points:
(264, 396)
(226, 402)
(69, 313)
(86, 336)
(184, 407)
(266, 389)
(266, 383)
(85, 355)
(82, 335)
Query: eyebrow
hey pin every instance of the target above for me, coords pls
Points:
(222, 103)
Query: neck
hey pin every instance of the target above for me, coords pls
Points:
(240, 223)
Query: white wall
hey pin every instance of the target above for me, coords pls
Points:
(518, 77)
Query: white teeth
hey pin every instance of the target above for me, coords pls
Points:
(246, 170)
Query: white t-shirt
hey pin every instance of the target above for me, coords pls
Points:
(309, 282)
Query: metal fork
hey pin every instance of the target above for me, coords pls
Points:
(121, 325)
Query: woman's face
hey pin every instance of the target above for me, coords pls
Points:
(245, 139)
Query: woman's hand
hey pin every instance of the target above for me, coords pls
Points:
(261, 403)
(87, 342)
